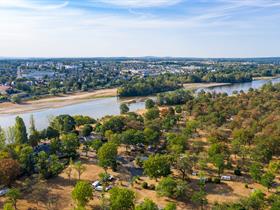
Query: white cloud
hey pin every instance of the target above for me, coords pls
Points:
(31, 4)
(139, 3)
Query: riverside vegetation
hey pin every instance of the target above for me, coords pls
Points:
(185, 148)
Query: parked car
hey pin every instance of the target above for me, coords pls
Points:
(95, 184)
(226, 178)
(4, 191)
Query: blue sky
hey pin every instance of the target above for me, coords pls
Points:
(185, 28)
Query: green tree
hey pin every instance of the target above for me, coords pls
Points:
(63, 123)
(124, 108)
(267, 180)
(152, 114)
(20, 131)
(147, 205)
(96, 144)
(170, 206)
(107, 156)
(199, 198)
(255, 171)
(151, 136)
(80, 168)
(121, 199)
(69, 144)
(183, 164)
(149, 103)
(219, 163)
(13, 195)
(8, 206)
(157, 166)
(171, 188)
(25, 158)
(82, 193)
(86, 130)
(2, 139)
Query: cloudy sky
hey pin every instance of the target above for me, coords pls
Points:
(187, 28)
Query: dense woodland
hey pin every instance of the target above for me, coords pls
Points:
(242, 140)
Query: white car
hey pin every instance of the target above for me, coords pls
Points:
(4, 191)
(99, 188)
(226, 178)
(95, 184)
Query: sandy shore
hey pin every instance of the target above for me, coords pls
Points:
(54, 102)
(192, 86)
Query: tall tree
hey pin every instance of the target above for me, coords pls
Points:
(20, 131)
(2, 138)
(82, 193)
(121, 198)
(107, 155)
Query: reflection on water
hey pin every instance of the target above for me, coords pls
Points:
(98, 108)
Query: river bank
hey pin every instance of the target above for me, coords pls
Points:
(55, 101)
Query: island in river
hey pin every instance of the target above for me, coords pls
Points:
(76, 98)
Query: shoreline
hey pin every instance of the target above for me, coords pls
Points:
(193, 86)
(9, 108)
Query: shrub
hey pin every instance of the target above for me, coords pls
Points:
(237, 172)
(217, 180)
(152, 187)
(145, 185)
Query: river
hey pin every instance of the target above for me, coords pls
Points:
(101, 107)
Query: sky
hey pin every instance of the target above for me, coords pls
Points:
(113, 28)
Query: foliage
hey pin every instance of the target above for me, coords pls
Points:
(63, 123)
(124, 108)
(82, 193)
(86, 130)
(147, 205)
(149, 103)
(107, 155)
(157, 166)
(10, 169)
(20, 131)
(121, 198)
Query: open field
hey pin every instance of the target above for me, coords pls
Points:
(54, 102)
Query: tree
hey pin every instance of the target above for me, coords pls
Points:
(267, 180)
(48, 166)
(151, 136)
(69, 144)
(147, 205)
(2, 139)
(9, 170)
(199, 198)
(8, 206)
(86, 130)
(149, 103)
(184, 165)
(170, 206)
(80, 168)
(255, 171)
(69, 169)
(13, 195)
(32, 128)
(63, 123)
(157, 166)
(16, 99)
(152, 114)
(171, 188)
(107, 155)
(26, 159)
(121, 199)
(115, 124)
(218, 161)
(82, 193)
(124, 108)
(20, 131)
(96, 144)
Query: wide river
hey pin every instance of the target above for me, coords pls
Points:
(101, 107)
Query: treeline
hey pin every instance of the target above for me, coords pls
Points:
(148, 86)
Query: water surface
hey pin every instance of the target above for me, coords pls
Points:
(101, 107)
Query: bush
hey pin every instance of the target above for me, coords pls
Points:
(246, 186)
(217, 180)
(152, 187)
(237, 172)
(145, 185)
